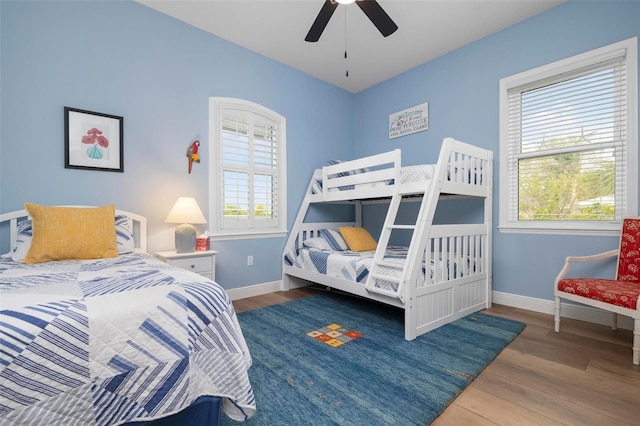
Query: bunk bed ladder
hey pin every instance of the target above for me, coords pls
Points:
(387, 277)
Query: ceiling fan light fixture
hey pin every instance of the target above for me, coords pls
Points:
(371, 8)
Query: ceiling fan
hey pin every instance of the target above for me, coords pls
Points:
(371, 8)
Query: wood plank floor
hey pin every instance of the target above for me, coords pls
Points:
(580, 376)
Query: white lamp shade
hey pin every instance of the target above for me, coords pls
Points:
(185, 210)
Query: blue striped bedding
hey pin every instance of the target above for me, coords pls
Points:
(355, 266)
(352, 266)
(110, 341)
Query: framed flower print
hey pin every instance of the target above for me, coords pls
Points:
(93, 140)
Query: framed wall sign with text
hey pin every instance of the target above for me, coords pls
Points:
(410, 120)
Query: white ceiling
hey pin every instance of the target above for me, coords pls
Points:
(277, 28)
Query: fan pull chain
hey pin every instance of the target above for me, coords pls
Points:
(345, 57)
(345, 42)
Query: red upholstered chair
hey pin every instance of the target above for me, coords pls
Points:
(619, 295)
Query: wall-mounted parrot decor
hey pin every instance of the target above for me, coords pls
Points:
(192, 154)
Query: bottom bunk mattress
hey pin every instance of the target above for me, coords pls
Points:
(355, 266)
(110, 341)
(347, 265)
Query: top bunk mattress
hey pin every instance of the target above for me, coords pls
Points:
(464, 169)
(408, 174)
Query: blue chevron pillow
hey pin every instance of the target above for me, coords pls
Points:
(23, 241)
(124, 238)
(124, 235)
(334, 239)
(347, 173)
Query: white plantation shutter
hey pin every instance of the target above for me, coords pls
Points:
(249, 193)
(265, 178)
(568, 143)
(235, 171)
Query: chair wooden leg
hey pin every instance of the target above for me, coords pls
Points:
(636, 341)
(614, 321)
(557, 317)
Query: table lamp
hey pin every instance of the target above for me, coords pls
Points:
(186, 212)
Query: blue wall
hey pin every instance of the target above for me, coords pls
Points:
(462, 89)
(122, 58)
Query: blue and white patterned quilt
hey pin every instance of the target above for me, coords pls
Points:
(109, 341)
(355, 266)
(348, 265)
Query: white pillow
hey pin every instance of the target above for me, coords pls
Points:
(124, 238)
(317, 243)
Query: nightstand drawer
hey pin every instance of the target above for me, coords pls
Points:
(195, 264)
(200, 262)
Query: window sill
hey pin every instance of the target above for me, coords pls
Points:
(247, 235)
(564, 231)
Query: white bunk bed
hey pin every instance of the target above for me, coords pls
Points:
(446, 273)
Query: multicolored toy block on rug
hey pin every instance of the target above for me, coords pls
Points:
(334, 335)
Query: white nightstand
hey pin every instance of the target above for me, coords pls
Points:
(201, 262)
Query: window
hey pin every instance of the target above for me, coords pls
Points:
(248, 159)
(568, 144)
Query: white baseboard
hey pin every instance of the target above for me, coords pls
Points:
(569, 310)
(254, 290)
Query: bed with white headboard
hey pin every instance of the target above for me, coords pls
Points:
(118, 339)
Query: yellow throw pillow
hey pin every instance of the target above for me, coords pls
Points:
(358, 239)
(63, 233)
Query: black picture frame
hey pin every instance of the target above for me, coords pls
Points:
(93, 140)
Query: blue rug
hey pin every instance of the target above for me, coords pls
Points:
(378, 378)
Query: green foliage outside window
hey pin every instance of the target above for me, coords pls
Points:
(231, 210)
(567, 186)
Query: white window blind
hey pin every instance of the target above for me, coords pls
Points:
(250, 161)
(568, 146)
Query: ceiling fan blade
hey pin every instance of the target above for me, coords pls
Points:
(378, 16)
(321, 21)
